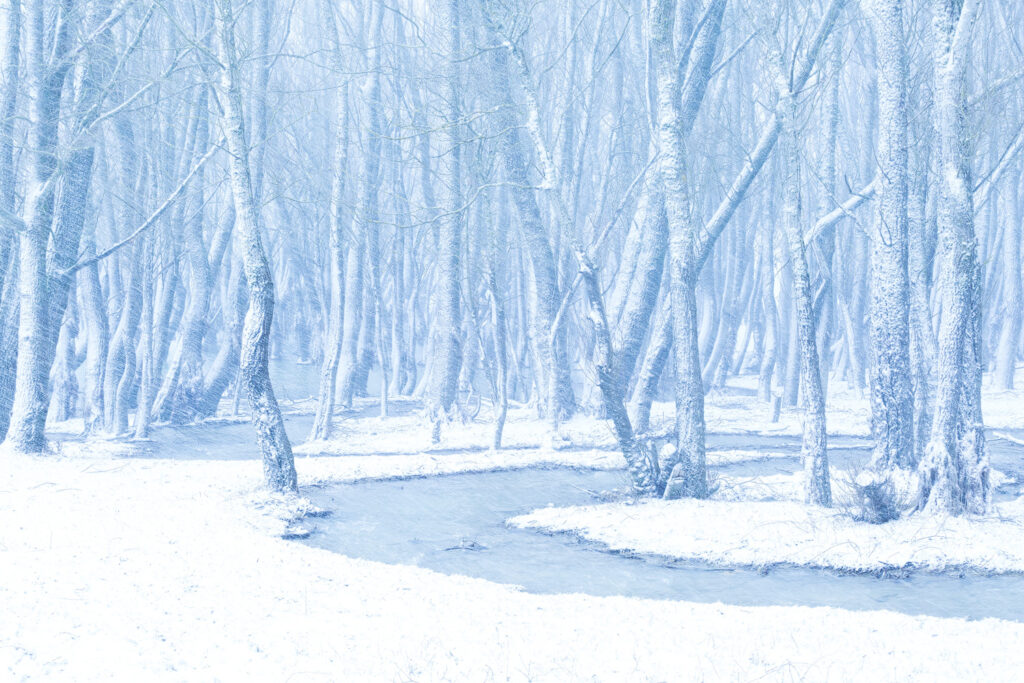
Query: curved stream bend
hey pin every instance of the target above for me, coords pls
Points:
(456, 524)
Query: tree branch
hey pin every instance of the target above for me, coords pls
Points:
(153, 218)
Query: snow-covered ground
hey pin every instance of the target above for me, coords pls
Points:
(735, 411)
(146, 568)
(760, 521)
(583, 441)
(163, 570)
(407, 431)
(761, 533)
(790, 487)
(358, 467)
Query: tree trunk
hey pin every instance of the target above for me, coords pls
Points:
(954, 474)
(323, 422)
(814, 444)
(447, 291)
(892, 402)
(1012, 300)
(278, 463)
(688, 460)
(544, 296)
(46, 85)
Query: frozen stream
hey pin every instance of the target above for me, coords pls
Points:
(456, 524)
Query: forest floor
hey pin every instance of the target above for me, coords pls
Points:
(760, 533)
(153, 567)
(761, 521)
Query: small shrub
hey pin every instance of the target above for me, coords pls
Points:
(875, 498)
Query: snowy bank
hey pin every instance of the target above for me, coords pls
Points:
(348, 468)
(768, 532)
(408, 431)
(358, 467)
(734, 411)
(161, 570)
(790, 487)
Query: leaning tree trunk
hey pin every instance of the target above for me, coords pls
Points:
(183, 385)
(814, 444)
(642, 464)
(120, 365)
(652, 367)
(278, 463)
(224, 368)
(544, 295)
(688, 462)
(640, 300)
(824, 297)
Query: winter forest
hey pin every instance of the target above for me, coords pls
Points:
(511, 339)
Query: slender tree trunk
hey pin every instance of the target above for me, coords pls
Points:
(771, 314)
(278, 463)
(824, 299)
(65, 383)
(544, 296)
(642, 297)
(8, 340)
(499, 320)
(447, 292)
(814, 444)
(641, 464)
(359, 318)
(8, 241)
(183, 386)
(920, 257)
(1012, 299)
(651, 368)
(323, 423)
(147, 353)
(97, 339)
(224, 368)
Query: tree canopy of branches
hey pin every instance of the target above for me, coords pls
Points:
(589, 205)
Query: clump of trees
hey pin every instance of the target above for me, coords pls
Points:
(584, 205)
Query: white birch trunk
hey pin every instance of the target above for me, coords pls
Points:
(278, 463)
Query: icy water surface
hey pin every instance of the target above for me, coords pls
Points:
(456, 525)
